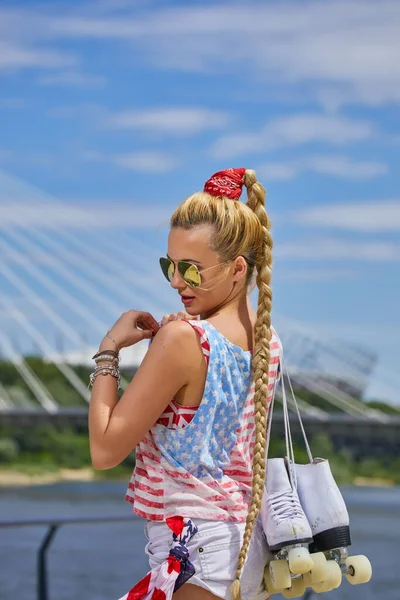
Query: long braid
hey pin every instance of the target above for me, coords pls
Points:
(260, 365)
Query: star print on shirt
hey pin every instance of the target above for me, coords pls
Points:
(218, 415)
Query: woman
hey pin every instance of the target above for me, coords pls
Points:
(196, 409)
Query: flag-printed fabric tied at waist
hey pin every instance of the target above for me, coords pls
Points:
(167, 578)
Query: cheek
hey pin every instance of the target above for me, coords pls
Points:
(214, 295)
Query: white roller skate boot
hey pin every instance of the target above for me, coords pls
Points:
(285, 525)
(327, 515)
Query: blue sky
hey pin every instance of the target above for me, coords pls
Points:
(121, 109)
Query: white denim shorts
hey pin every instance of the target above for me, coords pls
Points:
(214, 551)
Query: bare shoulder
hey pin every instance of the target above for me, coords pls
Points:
(176, 331)
(177, 338)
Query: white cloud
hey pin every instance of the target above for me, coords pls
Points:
(107, 214)
(338, 249)
(72, 78)
(342, 166)
(344, 51)
(13, 56)
(146, 162)
(174, 120)
(351, 47)
(88, 112)
(338, 166)
(376, 216)
(293, 131)
(278, 171)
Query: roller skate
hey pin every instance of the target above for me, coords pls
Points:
(327, 515)
(286, 528)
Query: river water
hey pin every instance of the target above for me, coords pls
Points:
(102, 561)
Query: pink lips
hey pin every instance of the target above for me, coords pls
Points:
(187, 299)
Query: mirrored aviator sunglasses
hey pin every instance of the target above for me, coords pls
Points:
(190, 273)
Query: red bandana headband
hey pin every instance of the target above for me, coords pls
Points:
(226, 183)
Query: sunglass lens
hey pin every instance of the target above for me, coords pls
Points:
(167, 268)
(190, 274)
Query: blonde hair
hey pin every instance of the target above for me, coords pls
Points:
(243, 230)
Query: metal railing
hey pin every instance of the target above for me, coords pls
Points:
(52, 527)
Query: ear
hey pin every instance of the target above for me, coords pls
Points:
(239, 269)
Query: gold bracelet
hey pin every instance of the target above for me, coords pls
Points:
(110, 338)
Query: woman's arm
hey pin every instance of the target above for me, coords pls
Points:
(115, 428)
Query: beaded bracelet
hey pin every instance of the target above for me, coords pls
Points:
(107, 357)
(106, 370)
(111, 368)
(94, 375)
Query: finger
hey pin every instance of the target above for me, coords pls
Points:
(152, 323)
(183, 315)
(145, 316)
(146, 334)
(171, 317)
(147, 319)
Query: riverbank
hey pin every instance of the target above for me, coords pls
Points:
(21, 478)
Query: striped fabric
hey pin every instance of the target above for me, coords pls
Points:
(170, 575)
(197, 461)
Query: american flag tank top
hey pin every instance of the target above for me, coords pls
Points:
(197, 461)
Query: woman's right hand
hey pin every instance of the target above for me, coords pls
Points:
(132, 327)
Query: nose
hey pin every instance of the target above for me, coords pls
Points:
(177, 282)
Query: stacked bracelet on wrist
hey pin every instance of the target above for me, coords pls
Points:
(107, 356)
(110, 358)
(106, 352)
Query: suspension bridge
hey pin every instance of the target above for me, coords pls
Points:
(65, 277)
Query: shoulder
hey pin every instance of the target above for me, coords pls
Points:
(178, 337)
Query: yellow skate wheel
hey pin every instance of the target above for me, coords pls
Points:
(359, 569)
(319, 571)
(333, 580)
(297, 590)
(319, 588)
(334, 574)
(280, 574)
(300, 560)
(268, 583)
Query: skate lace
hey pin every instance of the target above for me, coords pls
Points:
(285, 504)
